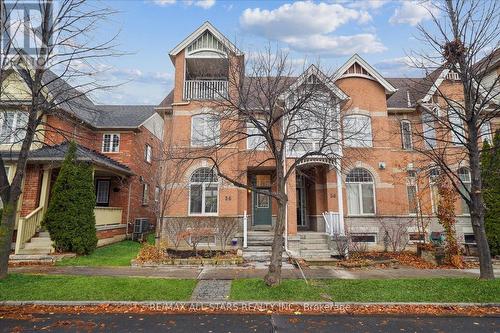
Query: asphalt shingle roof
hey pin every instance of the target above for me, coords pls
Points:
(58, 152)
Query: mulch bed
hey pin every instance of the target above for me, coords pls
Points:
(390, 259)
(206, 254)
(26, 311)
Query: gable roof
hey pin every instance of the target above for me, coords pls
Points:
(58, 153)
(373, 74)
(329, 83)
(198, 32)
(78, 105)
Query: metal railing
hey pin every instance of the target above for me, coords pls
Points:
(27, 227)
(333, 224)
(245, 229)
(205, 89)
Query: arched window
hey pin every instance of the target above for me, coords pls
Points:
(464, 175)
(357, 131)
(360, 192)
(203, 192)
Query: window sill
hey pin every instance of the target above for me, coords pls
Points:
(203, 214)
(110, 152)
(362, 215)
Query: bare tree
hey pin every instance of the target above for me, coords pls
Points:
(455, 122)
(65, 51)
(285, 119)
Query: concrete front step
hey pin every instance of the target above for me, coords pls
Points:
(41, 241)
(312, 235)
(313, 247)
(35, 251)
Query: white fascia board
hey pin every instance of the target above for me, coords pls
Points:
(313, 70)
(435, 85)
(389, 88)
(195, 34)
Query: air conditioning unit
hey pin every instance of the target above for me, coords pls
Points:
(141, 227)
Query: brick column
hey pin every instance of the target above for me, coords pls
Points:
(292, 204)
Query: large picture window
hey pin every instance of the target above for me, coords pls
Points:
(203, 192)
(434, 175)
(255, 139)
(357, 131)
(429, 130)
(360, 192)
(13, 126)
(204, 130)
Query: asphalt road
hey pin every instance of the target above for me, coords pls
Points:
(246, 323)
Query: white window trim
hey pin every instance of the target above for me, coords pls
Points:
(205, 130)
(148, 156)
(157, 194)
(433, 206)
(460, 197)
(13, 129)
(261, 146)
(360, 199)
(403, 137)
(111, 143)
(203, 185)
(365, 143)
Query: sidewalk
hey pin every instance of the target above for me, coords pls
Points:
(230, 273)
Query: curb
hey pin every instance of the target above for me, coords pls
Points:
(243, 303)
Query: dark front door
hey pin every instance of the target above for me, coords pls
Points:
(262, 208)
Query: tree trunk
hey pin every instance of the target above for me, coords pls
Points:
(273, 276)
(6, 233)
(477, 215)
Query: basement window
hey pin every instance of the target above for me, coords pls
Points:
(364, 238)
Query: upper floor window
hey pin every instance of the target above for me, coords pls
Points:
(111, 143)
(357, 131)
(148, 153)
(157, 193)
(360, 192)
(204, 130)
(406, 135)
(203, 192)
(452, 76)
(464, 175)
(429, 130)
(13, 126)
(255, 139)
(485, 132)
(457, 128)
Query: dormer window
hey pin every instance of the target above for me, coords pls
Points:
(111, 143)
(453, 76)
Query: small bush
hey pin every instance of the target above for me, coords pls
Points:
(70, 217)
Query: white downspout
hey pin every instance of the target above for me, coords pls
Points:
(128, 208)
(286, 206)
(340, 196)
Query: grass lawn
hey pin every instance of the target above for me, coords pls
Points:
(397, 290)
(83, 288)
(117, 254)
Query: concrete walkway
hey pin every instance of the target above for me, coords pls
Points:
(230, 273)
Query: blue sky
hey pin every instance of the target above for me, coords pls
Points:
(382, 32)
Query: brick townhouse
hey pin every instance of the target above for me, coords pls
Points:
(375, 186)
(121, 142)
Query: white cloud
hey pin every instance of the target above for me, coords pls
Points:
(308, 26)
(403, 66)
(368, 4)
(300, 18)
(412, 13)
(337, 45)
(205, 4)
(164, 2)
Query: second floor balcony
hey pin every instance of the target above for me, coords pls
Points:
(205, 89)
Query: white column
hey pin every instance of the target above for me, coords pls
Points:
(340, 196)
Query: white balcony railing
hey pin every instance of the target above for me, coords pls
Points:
(204, 89)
